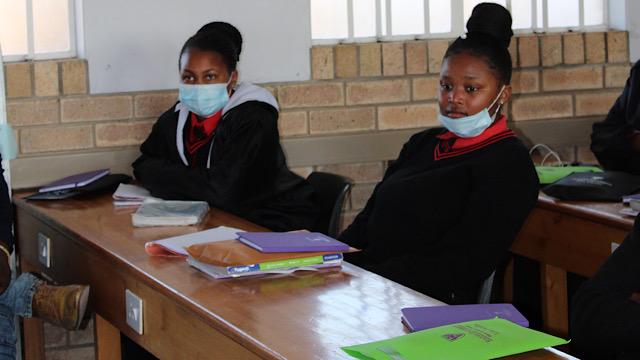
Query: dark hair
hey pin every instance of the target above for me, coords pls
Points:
(228, 30)
(218, 37)
(488, 37)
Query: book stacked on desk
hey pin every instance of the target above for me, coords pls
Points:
(257, 253)
(130, 195)
(155, 212)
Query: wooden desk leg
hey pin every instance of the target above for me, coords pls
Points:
(555, 316)
(32, 328)
(107, 340)
(33, 343)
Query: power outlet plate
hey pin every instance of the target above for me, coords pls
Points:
(44, 250)
(133, 306)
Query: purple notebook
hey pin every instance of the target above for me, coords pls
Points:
(427, 317)
(74, 181)
(299, 241)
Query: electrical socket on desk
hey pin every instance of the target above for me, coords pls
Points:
(44, 250)
(133, 306)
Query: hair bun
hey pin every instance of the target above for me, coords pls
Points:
(226, 30)
(491, 19)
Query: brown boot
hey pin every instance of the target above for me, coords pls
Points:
(63, 306)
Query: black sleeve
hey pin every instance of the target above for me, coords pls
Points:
(355, 234)
(610, 137)
(238, 174)
(503, 195)
(603, 318)
(6, 235)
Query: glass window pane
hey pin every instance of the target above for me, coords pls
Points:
(13, 27)
(539, 16)
(329, 19)
(470, 4)
(407, 17)
(593, 12)
(563, 13)
(521, 14)
(439, 16)
(51, 26)
(364, 18)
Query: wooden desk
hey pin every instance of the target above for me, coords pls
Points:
(306, 315)
(566, 237)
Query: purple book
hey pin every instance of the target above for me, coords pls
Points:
(298, 241)
(74, 181)
(427, 317)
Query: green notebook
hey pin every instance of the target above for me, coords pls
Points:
(550, 174)
(480, 339)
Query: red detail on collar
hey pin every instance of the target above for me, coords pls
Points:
(200, 132)
(450, 144)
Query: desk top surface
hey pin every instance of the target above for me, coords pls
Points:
(306, 315)
(605, 212)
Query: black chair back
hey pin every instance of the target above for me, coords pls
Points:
(331, 192)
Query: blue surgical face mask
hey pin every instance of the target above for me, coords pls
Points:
(472, 125)
(204, 100)
(8, 146)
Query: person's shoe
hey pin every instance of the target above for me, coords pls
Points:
(63, 306)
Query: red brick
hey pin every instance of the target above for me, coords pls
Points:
(60, 138)
(541, 107)
(582, 77)
(416, 52)
(342, 120)
(33, 112)
(377, 92)
(528, 51)
(617, 46)
(595, 47)
(426, 88)
(122, 133)
(370, 59)
(437, 49)
(392, 59)
(596, 103)
(346, 61)
(573, 48)
(407, 116)
(525, 81)
(551, 47)
(153, 104)
(322, 62)
(311, 95)
(292, 123)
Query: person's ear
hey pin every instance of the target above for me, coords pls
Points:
(506, 94)
(233, 81)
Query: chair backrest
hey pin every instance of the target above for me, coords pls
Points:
(331, 192)
(484, 295)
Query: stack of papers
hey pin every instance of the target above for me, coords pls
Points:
(177, 245)
(231, 258)
(130, 195)
(169, 213)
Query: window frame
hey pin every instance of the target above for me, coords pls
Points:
(457, 23)
(31, 55)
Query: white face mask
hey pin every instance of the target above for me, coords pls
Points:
(472, 125)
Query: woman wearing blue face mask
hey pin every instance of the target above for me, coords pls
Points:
(220, 142)
(448, 208)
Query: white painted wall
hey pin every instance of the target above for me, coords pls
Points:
(134, 45)
(623, 16)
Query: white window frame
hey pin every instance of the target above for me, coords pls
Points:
(457, 23)
(31, 55)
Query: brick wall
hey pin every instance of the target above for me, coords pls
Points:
(355, 89)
